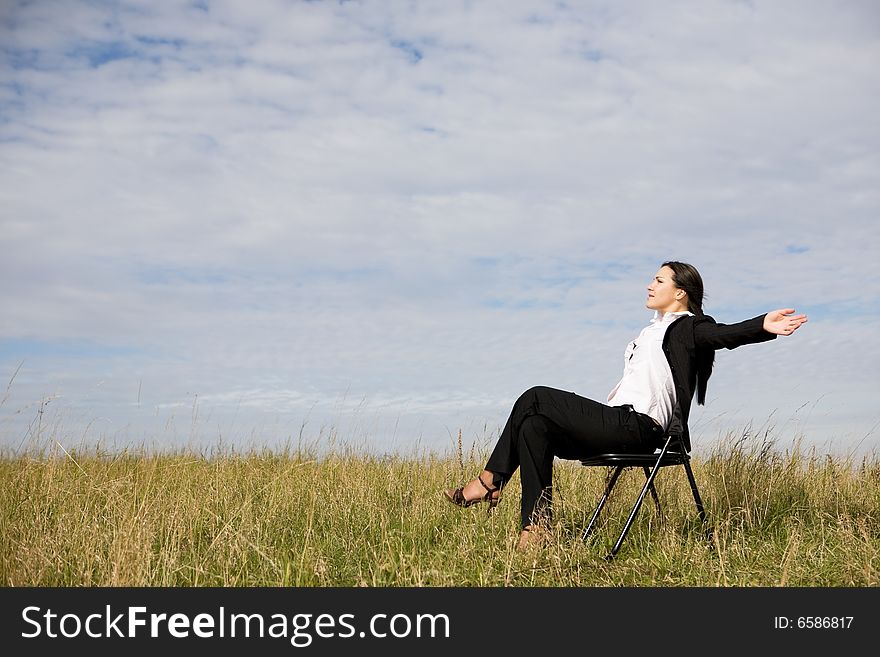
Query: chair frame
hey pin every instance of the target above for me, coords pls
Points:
(673, 452)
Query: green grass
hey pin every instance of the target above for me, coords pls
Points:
(297, 519)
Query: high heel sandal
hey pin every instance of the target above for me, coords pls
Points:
(457, 496)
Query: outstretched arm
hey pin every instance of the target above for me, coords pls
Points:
(783, 321)
(708, 333)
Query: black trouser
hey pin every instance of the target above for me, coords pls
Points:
(546, 423)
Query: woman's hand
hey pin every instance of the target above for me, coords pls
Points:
(783, 321)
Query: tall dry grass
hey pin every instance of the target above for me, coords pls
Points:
(299, 519)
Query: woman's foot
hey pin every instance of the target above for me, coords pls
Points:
(533, 537)
(475, 491)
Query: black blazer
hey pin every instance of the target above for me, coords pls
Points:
(689, 344)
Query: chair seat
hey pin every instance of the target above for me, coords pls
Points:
(636, 460)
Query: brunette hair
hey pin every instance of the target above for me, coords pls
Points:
(687, 278)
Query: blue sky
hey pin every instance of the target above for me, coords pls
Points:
(377, 223)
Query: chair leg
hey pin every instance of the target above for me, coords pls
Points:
(648, 484)
(700, 508)
(602, 501)
(653, 492)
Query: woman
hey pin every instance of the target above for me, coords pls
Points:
(664, 366)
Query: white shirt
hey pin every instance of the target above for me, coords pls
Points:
(647, 382)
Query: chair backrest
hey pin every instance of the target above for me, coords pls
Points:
(675, 432)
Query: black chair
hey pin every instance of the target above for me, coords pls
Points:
(673, 452)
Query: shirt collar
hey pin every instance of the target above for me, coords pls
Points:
(665, 318)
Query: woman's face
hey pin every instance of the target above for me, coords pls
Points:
(663, 295)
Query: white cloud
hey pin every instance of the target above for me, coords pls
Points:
(428, 207)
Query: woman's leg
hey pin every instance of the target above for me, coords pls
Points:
(545, 423)
(535, 447)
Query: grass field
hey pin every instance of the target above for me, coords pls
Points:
(133, 518)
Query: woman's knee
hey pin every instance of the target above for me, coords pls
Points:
(533, 394)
